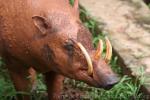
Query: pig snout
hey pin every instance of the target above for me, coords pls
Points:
(112, 80)
(104, 76)
(99, 70)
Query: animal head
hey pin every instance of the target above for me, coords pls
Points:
(67, 48)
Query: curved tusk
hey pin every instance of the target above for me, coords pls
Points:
(88, 59)
(108, 50)
(99, 50)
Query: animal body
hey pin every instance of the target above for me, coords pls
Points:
(47, 36)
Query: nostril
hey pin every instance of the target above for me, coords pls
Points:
(109, 86)
(111, 82)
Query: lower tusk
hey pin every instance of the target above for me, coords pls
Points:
(99, 50)
(88, 59)
(108, 50)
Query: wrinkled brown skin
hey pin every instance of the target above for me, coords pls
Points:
(43, 34)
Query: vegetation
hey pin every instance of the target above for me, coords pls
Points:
(149, 5)
(126, 89)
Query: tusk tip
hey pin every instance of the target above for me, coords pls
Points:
(108, 50)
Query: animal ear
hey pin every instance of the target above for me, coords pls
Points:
(40, 23)
(76, 5)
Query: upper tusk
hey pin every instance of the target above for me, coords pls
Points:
(88, 58)
(108, 50)
(99, 50)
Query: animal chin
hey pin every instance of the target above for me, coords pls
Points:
(85, 77)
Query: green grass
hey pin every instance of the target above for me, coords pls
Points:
(127, 89)
(6, 87)
(149, 5)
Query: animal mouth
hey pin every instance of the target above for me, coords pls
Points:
(97, 54)
(88, 79)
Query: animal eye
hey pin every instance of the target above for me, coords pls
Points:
(69, 45)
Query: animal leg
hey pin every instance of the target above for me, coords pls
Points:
(54, 84)
(23, 79)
